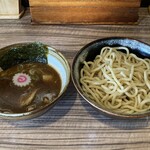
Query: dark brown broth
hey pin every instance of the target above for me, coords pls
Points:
(45, 85)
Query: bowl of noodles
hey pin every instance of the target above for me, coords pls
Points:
(33, 76)
(113, 75)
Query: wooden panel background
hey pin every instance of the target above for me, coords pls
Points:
(90, 3)
(83, 15)
(84, 11)
(144, 3)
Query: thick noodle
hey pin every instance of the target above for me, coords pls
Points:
(118, 80)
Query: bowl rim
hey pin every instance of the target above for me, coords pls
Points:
(35, 113)
(81, 93)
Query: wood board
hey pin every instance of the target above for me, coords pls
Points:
(84, 11)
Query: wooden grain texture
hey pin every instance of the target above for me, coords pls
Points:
(84, 11)
(69, 14)
(104, 3)
(72, 123)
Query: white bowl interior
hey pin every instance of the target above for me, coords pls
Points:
(59, 63)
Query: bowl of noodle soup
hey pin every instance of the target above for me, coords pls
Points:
(33, 77)
(113, 75)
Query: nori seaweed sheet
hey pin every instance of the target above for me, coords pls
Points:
(32, 52)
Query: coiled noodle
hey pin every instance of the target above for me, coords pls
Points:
(118, 80)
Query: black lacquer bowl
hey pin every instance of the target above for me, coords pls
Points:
(89, 52)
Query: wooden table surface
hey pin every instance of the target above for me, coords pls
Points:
(72, 123)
